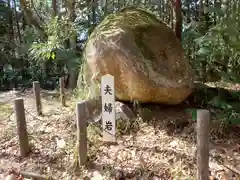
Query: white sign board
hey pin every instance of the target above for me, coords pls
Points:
(108, 108)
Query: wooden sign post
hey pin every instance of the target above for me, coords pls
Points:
(21, 127)
(36, 92)
(108, 108)
(81, 132)
(203, 121)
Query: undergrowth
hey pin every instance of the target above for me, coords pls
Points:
(219, 102)
(223, 104)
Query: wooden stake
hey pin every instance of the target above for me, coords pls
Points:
(36, 92)
(62, 92)
(21, 127)
(81, 116)
(203, 120)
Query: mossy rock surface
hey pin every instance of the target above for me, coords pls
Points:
(144, 56)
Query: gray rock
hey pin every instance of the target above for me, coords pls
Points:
(124, 112)
(94, 110)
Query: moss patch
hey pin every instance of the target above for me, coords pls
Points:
(127, 17)
(140, 33)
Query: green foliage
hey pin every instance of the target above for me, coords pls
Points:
(225, 113)
(45, 60)
(224, 104)
(213, 47)
(3, 17)
(6, 45)
(215, 51)
(192, 112)
(57, 36)
(229, 113)
(54, 53)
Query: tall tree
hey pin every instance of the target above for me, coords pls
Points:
(178, 26)
(30, 18)
(94, 17)
(10, 18)
(17, 22)
(73, 45)
(54, 6)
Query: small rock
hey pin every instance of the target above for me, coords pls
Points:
(123, 112)
(194, 152)
(185, 132)
(155, 178)
(119, 175)
(173, 144)
(86, 178)
(96, 176)
(61, 143)
(94, 108)
(11, 177)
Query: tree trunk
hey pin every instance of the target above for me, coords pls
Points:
(10, 30)
(206, 15)
(88, 3)
(54, 6)
(17, 22)
(73, 45)
(163, 10)
(94, 6)
(106, 8)
(30, 18)
(201, 11)
(188, 14)
(171, 15)
(178, 26)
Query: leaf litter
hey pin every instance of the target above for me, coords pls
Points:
(154, 150)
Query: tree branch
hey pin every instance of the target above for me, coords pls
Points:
(30, 18)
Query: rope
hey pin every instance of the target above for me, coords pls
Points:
(35, 117)
(7, 117)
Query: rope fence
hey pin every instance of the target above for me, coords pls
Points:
(83, 119)
(8, 116)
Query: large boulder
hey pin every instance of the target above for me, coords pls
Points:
(144, 56)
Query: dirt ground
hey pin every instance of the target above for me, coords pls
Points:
(157, 145)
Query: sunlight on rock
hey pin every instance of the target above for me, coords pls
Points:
(144, 56)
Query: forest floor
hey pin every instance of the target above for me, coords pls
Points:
(153, 146)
